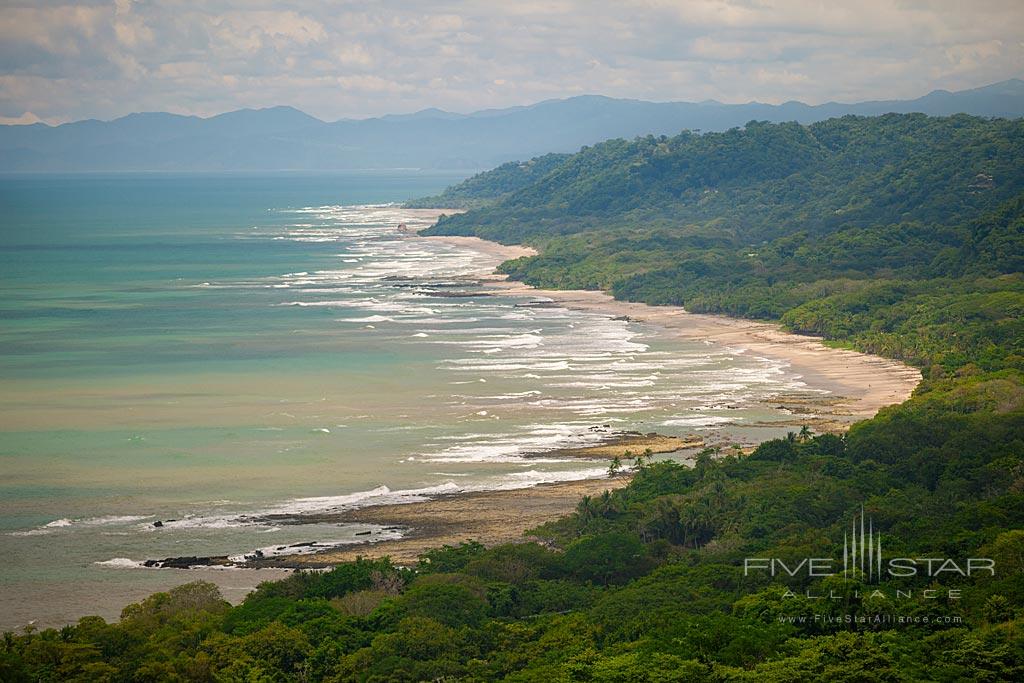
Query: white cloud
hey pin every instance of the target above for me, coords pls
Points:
(65, 59)
(25, 119)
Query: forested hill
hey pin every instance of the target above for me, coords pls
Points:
(499, 183)
(900, 234)
(767, 180)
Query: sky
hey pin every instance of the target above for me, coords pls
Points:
(338, 59)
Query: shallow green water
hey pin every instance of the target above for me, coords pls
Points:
(214, 348)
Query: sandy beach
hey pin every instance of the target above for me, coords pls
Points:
(859, 385)
(505, 252)
(490, 517)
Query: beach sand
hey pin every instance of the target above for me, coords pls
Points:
(504, 252)
(860, 384)
(489, 517)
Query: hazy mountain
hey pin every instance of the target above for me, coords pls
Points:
(285, 138)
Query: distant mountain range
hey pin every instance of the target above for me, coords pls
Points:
(284, 138)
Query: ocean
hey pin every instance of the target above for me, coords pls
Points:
(205, 349)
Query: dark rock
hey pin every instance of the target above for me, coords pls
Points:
(458, 295)
(181, 562)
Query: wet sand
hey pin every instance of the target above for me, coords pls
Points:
(505, 252)
(629, 445)
(490, 517)
(859, 385)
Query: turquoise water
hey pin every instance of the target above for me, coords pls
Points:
(212, 348)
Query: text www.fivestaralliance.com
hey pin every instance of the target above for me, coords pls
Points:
(874, 619)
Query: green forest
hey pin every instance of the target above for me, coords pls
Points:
(485, 188)
(902, 235)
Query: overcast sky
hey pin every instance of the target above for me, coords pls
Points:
(338, 59)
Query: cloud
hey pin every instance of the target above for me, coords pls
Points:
(343, 58)
(26, 119)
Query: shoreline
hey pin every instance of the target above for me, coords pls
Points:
(491, 516)
(488, 517)
(859, 384)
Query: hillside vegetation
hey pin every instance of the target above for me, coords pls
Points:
(900, 234)
(485, 188)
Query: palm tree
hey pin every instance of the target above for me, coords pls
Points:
(688, 522)
(585, 509)
(668, 520)
(616, 465)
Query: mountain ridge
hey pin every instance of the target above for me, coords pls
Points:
(285, 138)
